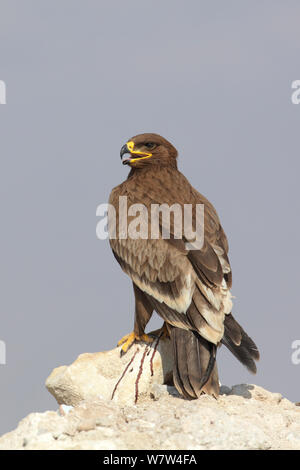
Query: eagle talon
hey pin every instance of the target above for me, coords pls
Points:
(128, 340)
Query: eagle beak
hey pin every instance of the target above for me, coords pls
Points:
(124, 151)
(129, 149)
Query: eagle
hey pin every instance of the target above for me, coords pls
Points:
(188, 286)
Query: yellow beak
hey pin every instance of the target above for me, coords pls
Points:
(129, 148)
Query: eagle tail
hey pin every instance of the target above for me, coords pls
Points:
(239, 343)
(195, 369)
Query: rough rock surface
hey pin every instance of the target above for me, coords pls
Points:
(243, 417)
(106, 374)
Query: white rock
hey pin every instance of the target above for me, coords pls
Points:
(106, 375)
(243, 417)
(166, 422)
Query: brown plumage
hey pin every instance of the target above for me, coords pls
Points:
(189, 289)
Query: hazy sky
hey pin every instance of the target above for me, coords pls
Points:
(84, 76)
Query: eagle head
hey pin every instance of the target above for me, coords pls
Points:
(148, 149)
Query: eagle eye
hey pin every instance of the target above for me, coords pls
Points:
(150, 145)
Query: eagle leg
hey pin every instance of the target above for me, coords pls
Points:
(128, 340)
(164, 332)
(143, 312)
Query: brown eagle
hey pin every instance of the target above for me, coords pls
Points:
(188, 288)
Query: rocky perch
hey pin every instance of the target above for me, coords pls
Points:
(107, 402)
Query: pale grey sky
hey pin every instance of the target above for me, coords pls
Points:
(84, 76)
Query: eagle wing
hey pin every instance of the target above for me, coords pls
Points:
(188, 288)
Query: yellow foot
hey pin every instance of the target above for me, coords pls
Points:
(129, 339)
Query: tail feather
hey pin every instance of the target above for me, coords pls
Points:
(232, 329)
(239, 343)
(180, 376)
(195, 370)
